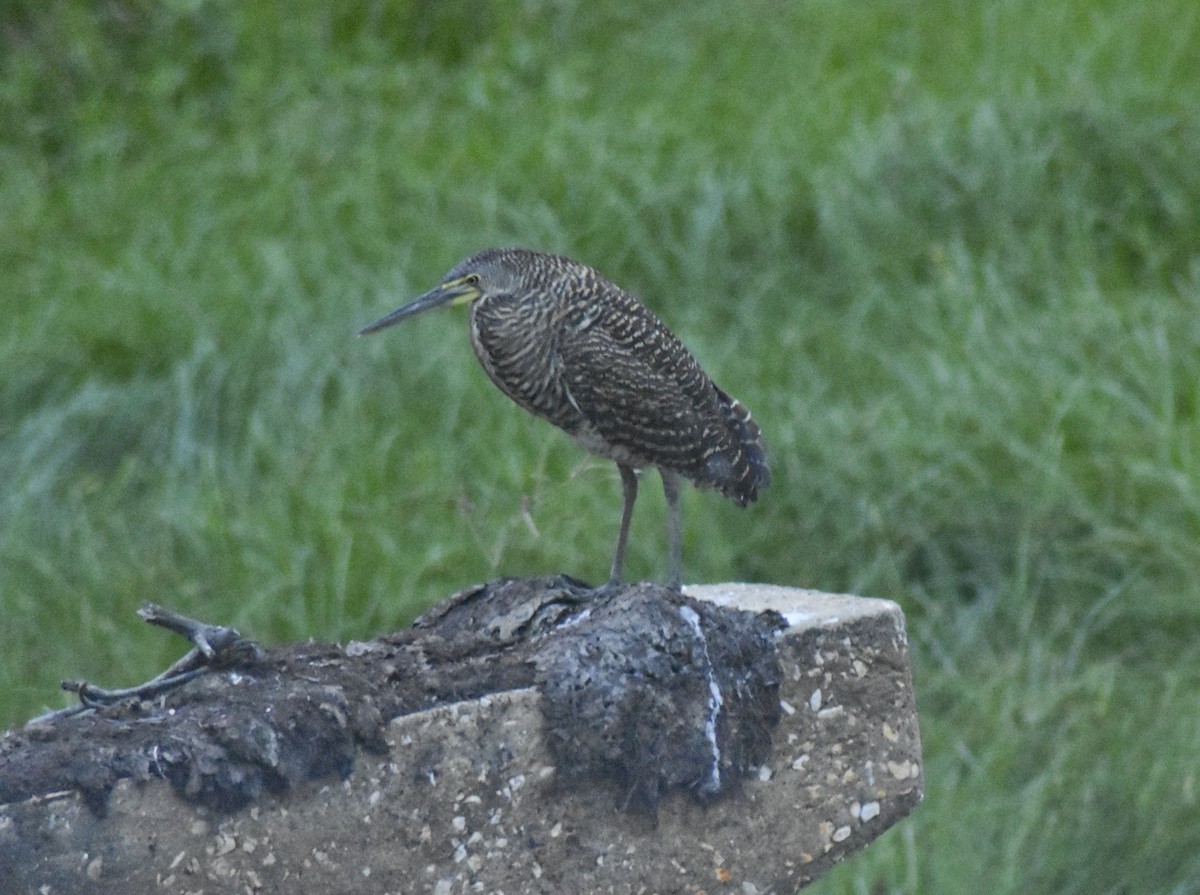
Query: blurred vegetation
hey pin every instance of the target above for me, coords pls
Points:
(947, 254)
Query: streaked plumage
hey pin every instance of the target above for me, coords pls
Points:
(570, 346)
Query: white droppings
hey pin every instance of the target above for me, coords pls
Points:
(797, 617)
(574, 620)
(357, 648)
(715, 701)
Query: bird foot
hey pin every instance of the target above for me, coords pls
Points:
(609, 588)
(616, 585)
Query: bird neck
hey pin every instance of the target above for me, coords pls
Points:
(512, 317)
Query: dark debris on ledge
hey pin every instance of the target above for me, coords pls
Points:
(645, 691)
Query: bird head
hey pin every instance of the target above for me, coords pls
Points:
(490, 272)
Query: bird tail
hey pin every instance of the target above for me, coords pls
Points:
(744, 464)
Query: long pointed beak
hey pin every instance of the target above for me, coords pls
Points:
(450, 293)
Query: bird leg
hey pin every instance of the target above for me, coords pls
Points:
(629, 488)
(674, 530)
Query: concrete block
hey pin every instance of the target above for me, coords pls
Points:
(467, 797)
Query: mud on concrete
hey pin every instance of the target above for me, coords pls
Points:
(645, 689)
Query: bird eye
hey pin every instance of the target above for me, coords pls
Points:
(472, 279)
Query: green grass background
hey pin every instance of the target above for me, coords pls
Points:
(948, 253)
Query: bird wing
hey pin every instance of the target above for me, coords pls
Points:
(641, 391)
